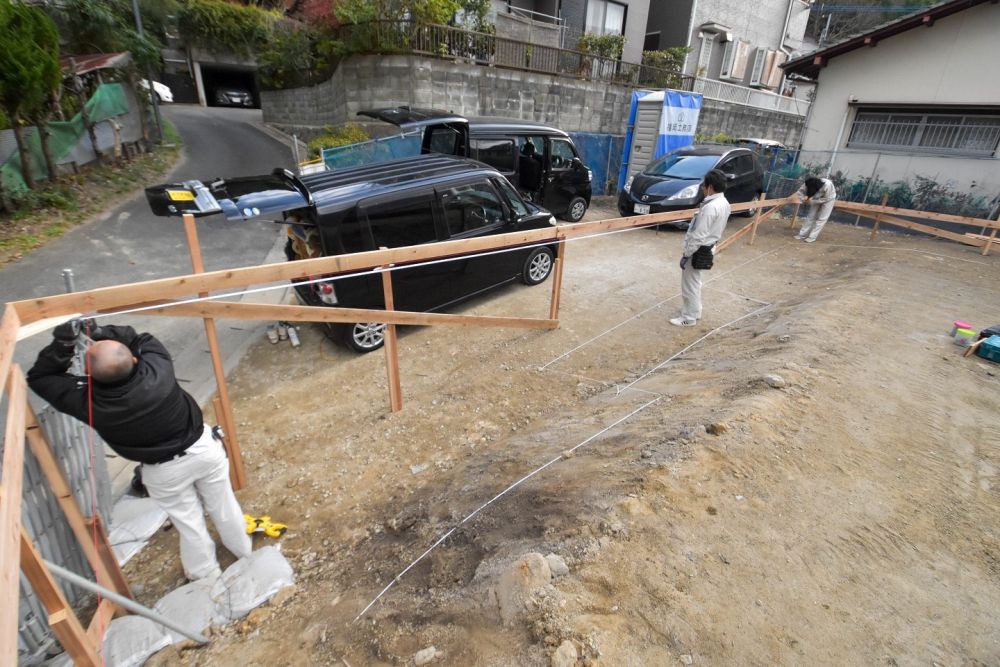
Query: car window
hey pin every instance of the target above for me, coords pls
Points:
(498, 153)
(537, 143)
(402, 223)
(681, 166)
(562, 154)
(513, 198)
(444, 140)
(744, 164)
(727, 166)
(471, 207)
(350, 234)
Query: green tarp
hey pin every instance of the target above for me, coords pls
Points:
(108, 101)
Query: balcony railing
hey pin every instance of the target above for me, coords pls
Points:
(484, 49)
(751, 97)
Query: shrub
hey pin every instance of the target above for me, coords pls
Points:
(348, 133)
(605, 46)
(216, 25)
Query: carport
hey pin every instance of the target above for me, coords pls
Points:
(211, 73)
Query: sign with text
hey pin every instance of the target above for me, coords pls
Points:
(679, 121)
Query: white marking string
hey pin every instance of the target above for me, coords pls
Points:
(489, 502)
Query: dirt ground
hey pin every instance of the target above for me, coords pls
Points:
(845, 516)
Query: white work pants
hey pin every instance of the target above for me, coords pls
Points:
(818, 215)
(691, 292)
(191, 485)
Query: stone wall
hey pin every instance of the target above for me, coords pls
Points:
(741, 121)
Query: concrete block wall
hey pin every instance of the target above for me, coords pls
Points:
(741, 121)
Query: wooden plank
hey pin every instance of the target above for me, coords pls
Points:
(62, 620)
(795, 215)
(122, 296)
(756, 219)
(11, 486)
(729, 240)
(893, 210)
(237, 472)
(878, 218)
(969, 351)
(557, 282)
(391, 348)
(289, 313)
(29, 330)
(933, 231)
(987, 246)
(9, 325)
(100, 621)
(106, 569)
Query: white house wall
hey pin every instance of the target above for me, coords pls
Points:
(952, 62)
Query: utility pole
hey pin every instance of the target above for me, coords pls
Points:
(149, 77)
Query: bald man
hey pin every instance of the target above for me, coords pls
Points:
(143, 414)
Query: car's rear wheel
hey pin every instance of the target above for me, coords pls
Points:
(537, 266)
(576, 210)
(751, 212)
(364, 336)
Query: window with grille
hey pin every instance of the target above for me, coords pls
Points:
(969, 134)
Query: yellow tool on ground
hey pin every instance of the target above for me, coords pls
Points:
(263, 524)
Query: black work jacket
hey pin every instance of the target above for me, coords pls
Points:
(146, 418)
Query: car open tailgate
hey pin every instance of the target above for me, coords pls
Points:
(409, 118)
(236, 198)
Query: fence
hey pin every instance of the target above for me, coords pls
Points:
(388, 37)
(46, 523)
(751, 97)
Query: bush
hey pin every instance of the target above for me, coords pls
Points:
(296, 55)
(216, 25)
(348, 133)
(604, 46)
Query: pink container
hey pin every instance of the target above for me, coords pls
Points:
(959, 324)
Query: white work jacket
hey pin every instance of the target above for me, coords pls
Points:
(825, 194)
(709, 223)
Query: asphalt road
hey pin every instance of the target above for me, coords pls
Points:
(128, 243)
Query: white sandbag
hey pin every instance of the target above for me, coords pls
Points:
(190, 606)
(130, 640)
(250, 582)
(133, 522)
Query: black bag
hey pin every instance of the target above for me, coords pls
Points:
(703, 258)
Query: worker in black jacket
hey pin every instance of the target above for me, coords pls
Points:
(143, 414)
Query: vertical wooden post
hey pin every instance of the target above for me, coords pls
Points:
(795, 216)
(237, 474)
(756, 218)
(99, 555)
(557, 280)
(391, 348)
(989, 242)
(62, 620)
(878, 218)
(10, 513)
(9, 324)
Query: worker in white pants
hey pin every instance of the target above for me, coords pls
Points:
(821, 195)
(690, 293)
(190, 485)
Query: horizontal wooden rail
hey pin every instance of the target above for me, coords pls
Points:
(855, 207)
(123, 296)
(262, 311)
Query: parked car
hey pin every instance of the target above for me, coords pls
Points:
(233, 97)
(539, 160)
(673, 182)
(163, 92)
(411, 201)
(760, 145)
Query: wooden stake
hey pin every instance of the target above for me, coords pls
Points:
(557, 282)
(99, 555)
(237, 474)
(62, 620)
(878, 218)
(10, 513)
(989, 244)
(756, 218)
(9, 326)
(391, 348)
(795, 216)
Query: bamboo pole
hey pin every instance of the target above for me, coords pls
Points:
(878, 218)
(10, 513)
(557, 282)
(756, 219)
(62, 619)
(391, 347)
(237, 474)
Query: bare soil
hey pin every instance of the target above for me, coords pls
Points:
(848, 517)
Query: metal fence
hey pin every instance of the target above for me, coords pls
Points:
(752, 97)
(443, 41)
(44, 520)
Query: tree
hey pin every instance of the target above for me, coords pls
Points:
(832, 22)
(46, 38)
(25, 71)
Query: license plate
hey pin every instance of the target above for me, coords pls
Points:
(642, 209)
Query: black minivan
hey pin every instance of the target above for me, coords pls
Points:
(404, 202)
(539, 160)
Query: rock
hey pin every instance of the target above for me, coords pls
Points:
(687, 659)
(784, 339)
(426, 656)
(418, 468)
(774, 381)
(557, 566)
(283, 596)
(565, 655)
(692, 432)
(717, 428)
(647, 454)
(515, 586)
(568, 454)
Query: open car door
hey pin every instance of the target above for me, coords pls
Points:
(443, 132)
(239, 199)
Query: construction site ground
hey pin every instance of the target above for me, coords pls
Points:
(842, 513)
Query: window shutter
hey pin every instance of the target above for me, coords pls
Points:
(705, 55)
(728, 56)
(740, 60)
(774, 80)
(758, 66)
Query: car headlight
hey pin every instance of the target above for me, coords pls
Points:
(628, 184)
(685, 193)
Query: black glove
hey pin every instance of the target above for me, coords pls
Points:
(684, 261)
(67, 332)
(90, 329)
